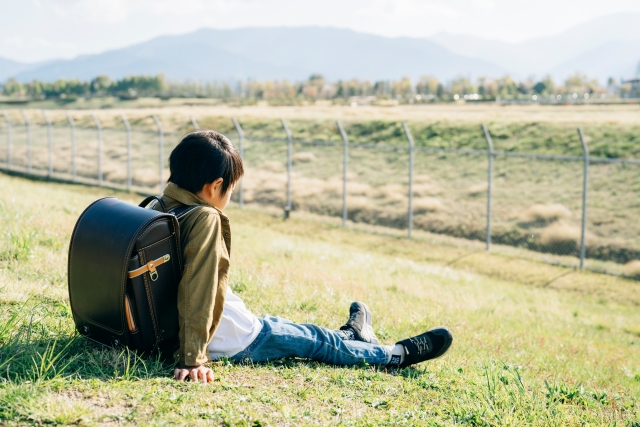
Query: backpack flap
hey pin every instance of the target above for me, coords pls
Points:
(155, 280)
(99, 253)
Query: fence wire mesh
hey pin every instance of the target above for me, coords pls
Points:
(317, 179)
(264, 184)
(87, 154)
(450, 195)
(536, 200)
(613, 208)
(537, 205)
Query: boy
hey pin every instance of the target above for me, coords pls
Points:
(214, 322)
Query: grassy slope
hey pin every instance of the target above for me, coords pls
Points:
(534, 344)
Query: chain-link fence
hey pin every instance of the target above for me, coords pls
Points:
(578, 211)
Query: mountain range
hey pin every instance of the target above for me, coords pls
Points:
(605, 47)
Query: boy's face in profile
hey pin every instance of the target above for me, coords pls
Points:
(213, 195)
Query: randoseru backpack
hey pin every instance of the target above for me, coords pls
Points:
(124, 268)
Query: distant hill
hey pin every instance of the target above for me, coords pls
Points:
(9, 68)
(604, 47)
(612, 59)
(272, 53)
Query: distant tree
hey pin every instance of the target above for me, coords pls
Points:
(316, 80)
(581, 83)
(100, 84)
(540, 88)
(462, 86)
(427, 85)
(12, 87)
(340, 89)
(35, 89)
(507, 88)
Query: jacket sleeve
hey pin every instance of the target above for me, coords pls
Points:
(200, 301)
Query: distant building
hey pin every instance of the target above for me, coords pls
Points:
(635, 86)
(635, 83)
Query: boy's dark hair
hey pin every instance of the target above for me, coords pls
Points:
(202, 157)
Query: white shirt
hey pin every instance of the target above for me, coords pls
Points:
(237, 329)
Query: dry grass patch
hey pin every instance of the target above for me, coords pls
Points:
(303, 157)
(359, 204)
(426, 189)
(358, 188)
(632, 268)
(272, 166)
(426, 204)
(544, 213)
(560, 236)
(478, 189)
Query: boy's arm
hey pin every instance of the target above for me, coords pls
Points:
(202, 288)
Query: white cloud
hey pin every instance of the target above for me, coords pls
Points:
(51, 44)
(408, 10)
(13, 41)
(484, 4)
(105, 11)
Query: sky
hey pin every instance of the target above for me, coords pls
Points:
(37, 30)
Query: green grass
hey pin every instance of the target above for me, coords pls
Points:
(534, 344)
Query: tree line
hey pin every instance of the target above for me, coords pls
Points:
(316, 87)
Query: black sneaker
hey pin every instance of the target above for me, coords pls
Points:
(429, 345)
(360, 323)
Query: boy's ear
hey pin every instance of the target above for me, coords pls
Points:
(216, 184)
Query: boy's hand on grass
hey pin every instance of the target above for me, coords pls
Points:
(200, 373)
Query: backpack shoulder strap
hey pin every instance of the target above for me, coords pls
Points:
(157, 199)
(181, 211)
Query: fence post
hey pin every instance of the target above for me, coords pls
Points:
(28, 128)
(585, 185)
(194, 122)
(345, 169)
(241, 149)
(50, 142)
(8, 122)
(287, 208)
(99, 127)
(72, 124)
(128, 127)
(489, 183)
(411, 155)
(160, 149)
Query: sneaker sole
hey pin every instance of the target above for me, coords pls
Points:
(368, 333)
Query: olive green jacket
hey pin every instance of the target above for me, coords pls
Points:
(205, 238)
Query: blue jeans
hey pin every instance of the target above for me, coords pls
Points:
(281, 338)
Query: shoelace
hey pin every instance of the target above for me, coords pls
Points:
(422, 344)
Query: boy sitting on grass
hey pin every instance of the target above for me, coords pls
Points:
(214, 322)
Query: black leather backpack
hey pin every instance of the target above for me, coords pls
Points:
(124, 269)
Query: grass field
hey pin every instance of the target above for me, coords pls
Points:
(534, 344)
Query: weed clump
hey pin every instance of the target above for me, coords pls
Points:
(426, 204)
(560, 238)
(478, 189)
(17, 246)
(544, 214)
(632, 269)
(303, 157)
